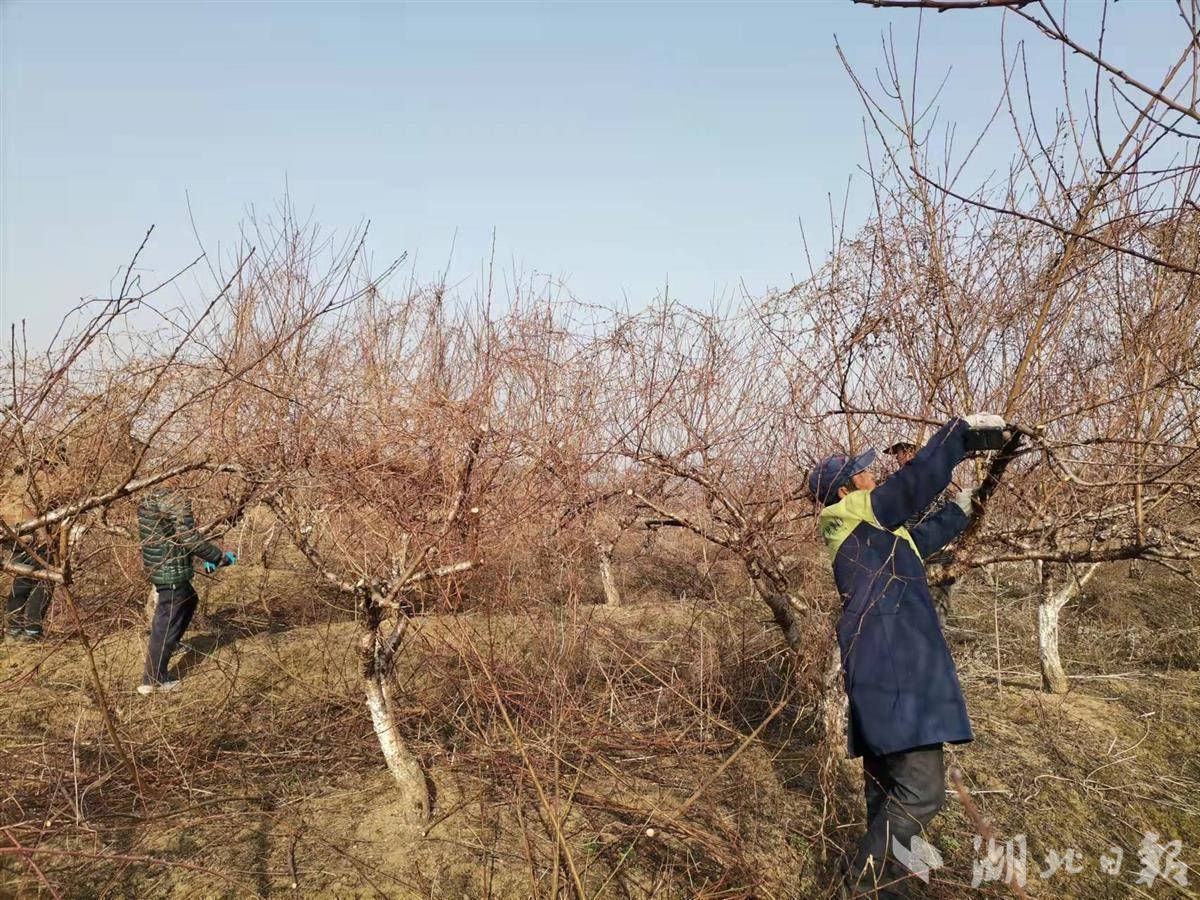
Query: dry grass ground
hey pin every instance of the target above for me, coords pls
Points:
(263, 777)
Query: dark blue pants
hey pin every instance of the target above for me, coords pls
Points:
(172, 615)
(904, 791)
(29, 598)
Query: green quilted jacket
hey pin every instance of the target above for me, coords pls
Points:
(170, 539)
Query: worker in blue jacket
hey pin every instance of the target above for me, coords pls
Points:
(905, 700)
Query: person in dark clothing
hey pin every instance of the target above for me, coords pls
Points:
(169, 540)
(27, 491)
(905, 699)
(941, 590)
(28, 600)
(904, 451)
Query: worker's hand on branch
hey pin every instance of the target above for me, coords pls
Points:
(985, 432)
(228, 558)
(963, 499)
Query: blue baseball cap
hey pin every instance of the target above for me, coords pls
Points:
(834, 471)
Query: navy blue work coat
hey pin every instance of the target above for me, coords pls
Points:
(899, 675)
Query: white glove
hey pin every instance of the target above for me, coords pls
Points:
(963, 499)
(985, 420)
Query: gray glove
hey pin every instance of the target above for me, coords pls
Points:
(964, 498)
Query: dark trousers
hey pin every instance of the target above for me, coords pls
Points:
(904, 792)
(176, 606)
(29, 598)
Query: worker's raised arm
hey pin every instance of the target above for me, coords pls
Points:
(919, 481)
(935, 532)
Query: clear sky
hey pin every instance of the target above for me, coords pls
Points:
(614, 145)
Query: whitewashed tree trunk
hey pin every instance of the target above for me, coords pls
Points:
(835, 705)
(376, 657)
(1054, 677)
(405, 769)
(612, 593)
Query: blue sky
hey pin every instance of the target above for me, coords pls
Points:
(613, 145)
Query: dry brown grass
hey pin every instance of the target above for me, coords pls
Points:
(265, 772)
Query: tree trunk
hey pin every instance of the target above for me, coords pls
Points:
(835, 704)
(1054, 679)
(67, 539)
(772, 590)
(375, 658)
(942, 595)
(406, 771)
(612, 594)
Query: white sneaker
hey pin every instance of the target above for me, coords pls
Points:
(166, 687)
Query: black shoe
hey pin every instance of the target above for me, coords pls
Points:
(870, 885)
(16, 633)
(33, 633)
